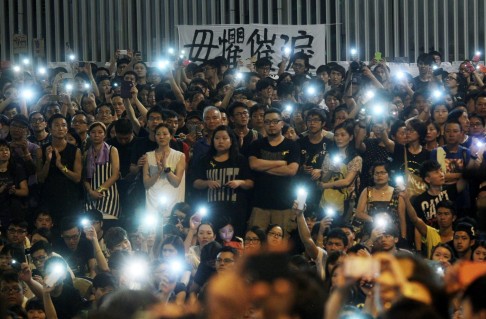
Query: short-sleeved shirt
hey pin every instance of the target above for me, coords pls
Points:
(272, 191)
(431, 240)
(77, 260)
(414, 161)
(425, 204)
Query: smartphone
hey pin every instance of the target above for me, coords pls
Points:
(358, 267)
(123, 52)
(126, 87)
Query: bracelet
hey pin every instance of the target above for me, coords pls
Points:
(101, 189)
(65, 169)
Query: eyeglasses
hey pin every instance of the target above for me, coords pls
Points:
(450, 78)
(269, 122)
(38, 120)
(252, 240)
(18, 231)
(275, 235)
(479, 124)
(7, 290)
(39, 259)
(154, 118)
(298, 65)
(245, 114)
(225, 260)
(313, 120)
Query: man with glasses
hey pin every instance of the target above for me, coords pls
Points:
(274, 160)
(11, 290)
(38, 125)
(263, 66)
(23, 151)
(39, 252)
(17, 233)
(80, 124)
(226, 259)
(313, 148)
(301, 63)
(239, 115)
(210, 69)
(76, 250)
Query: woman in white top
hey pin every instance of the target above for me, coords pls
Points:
(163, 173)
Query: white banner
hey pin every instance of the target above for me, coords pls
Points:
(244, 41)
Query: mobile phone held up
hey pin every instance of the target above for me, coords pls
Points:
(126, 87)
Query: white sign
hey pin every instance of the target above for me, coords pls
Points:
(244, 41)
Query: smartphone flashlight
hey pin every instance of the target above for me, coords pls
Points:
(400, 75)
(69, 87)
(239, 75)
(330, 212)
(26, 61)
(288, 108)
(162, 64)
(370, 94)
(27, 94)
(183, 52)
(478, 53)
(42, 71)
(311, 90)
(378, 110)
(203, 211)
(86, 86)
(400, 181)
(16, 68)
(381, 222)
(301, 198)
(337, 159)
(171, 51)
(72, 57)
(479, 144)
(437, 94)
(354, 51)
(85, 222)
(287, 50)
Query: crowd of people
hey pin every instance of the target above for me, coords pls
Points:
(187, 190)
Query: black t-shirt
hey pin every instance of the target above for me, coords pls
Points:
(223, 172)
(124, 153)
(69, 303)
(271, 191)
(77, 260)
(419, 84)
(414, 160)
(141, 146)
(425, 204)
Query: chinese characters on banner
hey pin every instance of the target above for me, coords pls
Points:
(241, 42)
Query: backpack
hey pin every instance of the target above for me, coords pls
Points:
(337, 197)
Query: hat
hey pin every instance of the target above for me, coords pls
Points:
(193, 114)
(466, 227)
(21, 119)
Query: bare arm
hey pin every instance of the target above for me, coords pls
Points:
(412, 214)
(131, 115)
(361, 209)
(149, 181)
(175, 177)
(304, 234)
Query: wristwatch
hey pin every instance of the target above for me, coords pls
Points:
(167, 170)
